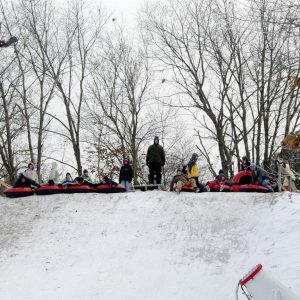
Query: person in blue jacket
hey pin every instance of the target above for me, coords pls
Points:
(260, 176)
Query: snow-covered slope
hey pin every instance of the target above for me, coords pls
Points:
(151, 245)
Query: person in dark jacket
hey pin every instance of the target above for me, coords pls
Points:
(126, 174)
(155, 160)
(24, 181)
(245, 164)
(260, 176)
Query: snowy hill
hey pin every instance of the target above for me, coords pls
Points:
(151, 245)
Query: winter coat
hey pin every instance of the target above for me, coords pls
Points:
(126, 173)
(155, 154)
(66, 181)
(31, 174)
(54, 173)
(286, 172)
(193, 170)
(87, 178)
(177, 178)
(220, 179)
(244, 166)
(259, 175)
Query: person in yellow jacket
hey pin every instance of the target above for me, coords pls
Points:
(192, 171)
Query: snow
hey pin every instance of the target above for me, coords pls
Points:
(145, 245)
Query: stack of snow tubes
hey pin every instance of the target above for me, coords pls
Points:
(57, 189)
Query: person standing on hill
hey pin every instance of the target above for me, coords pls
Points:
(126, 174)
(155, 160)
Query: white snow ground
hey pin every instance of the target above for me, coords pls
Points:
(145, 245)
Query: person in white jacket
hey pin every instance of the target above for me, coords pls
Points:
(28, 178)
(54, 175)
(285, 170)
(31, 173)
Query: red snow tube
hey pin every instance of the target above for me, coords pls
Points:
(81, 188)
(243, 177)
(19, 192)
(106, 188)
(243, 183)
(49, 190)
(250, 188)
(215, 187)
(187, 188)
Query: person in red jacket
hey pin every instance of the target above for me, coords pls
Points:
(126, 174)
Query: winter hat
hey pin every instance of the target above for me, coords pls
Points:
(125, 161)
(252, 166)
(221, 172)
(194, 155)
(85, 171)
(156, 138)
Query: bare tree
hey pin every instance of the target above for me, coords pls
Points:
(211, 51)
(120, 87)
(34, 18)
(67, 59)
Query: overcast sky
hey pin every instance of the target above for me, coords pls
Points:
(123, 10)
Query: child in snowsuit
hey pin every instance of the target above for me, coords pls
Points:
(126, 174)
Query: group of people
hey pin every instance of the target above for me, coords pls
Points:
(155, 160)
(29, 178)
(187, 175)
(263, 178)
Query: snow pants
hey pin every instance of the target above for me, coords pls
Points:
(155, 173)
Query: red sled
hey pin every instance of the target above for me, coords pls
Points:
(18, 192)
(216, 187)
(82, 188)
(49, 190)
(106, 188)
